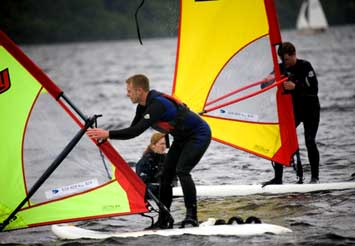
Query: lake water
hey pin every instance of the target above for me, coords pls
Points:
(93, 75)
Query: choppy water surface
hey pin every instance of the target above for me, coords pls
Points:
(93, 75)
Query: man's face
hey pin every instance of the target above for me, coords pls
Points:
(289, 60)
(133, 93)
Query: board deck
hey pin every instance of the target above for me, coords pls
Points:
(242, 190)
(74, 232)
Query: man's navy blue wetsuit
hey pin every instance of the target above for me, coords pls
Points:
(192, 136)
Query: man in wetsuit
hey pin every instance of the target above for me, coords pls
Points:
(303, 85)
(191, 133)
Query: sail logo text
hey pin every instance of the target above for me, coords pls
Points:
(71, 189)
(261, 149)
(111, 207)
(239, 115)
(4, 80)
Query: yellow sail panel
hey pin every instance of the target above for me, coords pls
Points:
(252, 137)
(211, 33)
(113, 201)
(16, 103)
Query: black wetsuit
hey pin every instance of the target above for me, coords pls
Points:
(148, 168)
(306, 109)
(192, 136)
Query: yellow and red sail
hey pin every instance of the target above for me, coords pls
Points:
(226, 50)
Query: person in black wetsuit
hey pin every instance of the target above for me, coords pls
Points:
(150, 165)
(303, 86)
(192, 136)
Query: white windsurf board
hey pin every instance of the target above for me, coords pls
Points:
(206, 228)
(241, 190)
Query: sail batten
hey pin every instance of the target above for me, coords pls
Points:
(246, 96)
(222, 46)
(237, 90)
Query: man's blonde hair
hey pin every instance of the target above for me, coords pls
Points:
(139, 81)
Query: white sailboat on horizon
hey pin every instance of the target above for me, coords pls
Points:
(311, 17)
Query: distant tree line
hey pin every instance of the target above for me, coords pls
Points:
(45, 21)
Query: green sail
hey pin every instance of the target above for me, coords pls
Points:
(36, 124)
